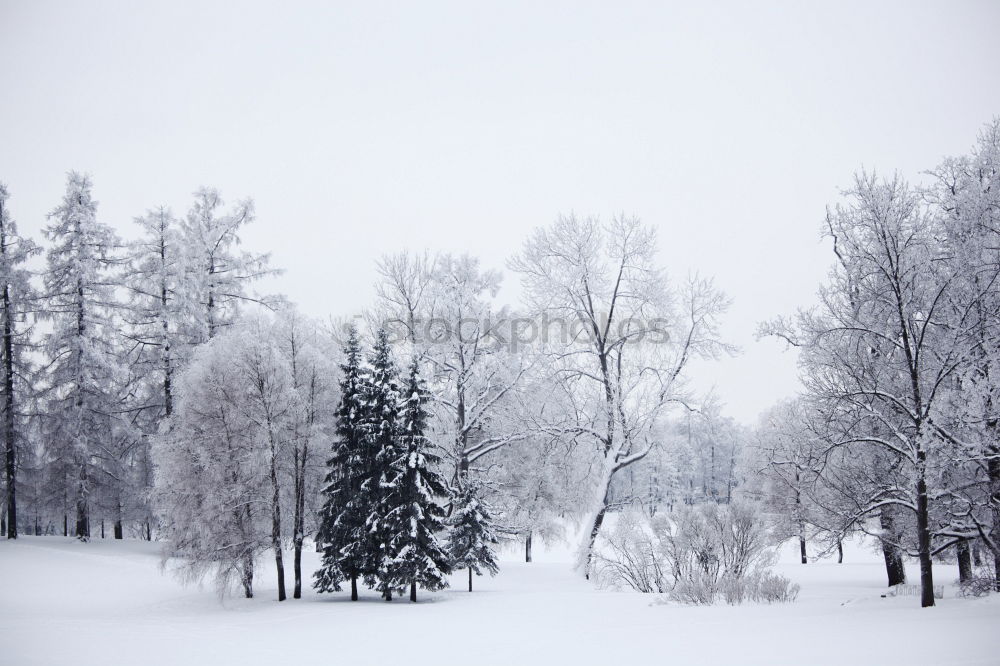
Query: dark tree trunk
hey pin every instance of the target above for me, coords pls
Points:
(413, 591)
(82, 511)
(594, 531)
(119, 534)
(894, 569)
(248, 577)
(354, 588)
(9, 434)
(298, 527)
(276, 529)
(297, 568)
(65, 525)
(977, 555)
(993, 469)
(470, 579)
(102, 528)
(840, 551)
(964, 561)
(802, 549)
(10, 455)
(527, 547)
(924, 536)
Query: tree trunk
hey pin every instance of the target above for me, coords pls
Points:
(298, 526)
(118, 518)
(840, 551)
(587, 556)
(248, 577)
(802, 549)
(276, 527)
(964, 561)
(8, 386)
(102, 528)
(65, 525)
(82, 511)
(527, 547)
(413, 591)
(993, 469)
(895, 571)
(924, 536)
(9, 434)
(354, 588)
(470, 579)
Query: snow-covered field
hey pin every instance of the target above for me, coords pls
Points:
(107, 602)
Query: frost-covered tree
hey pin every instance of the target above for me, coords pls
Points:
(218, 274)
(158, 311)
(219, 459)
(308, 352)
(788, 467)
(881, 354)
(83, 366)
(967, 195)
(270, 405)
(443, 305)
(209, 479)
(413, 516)
(626, 339)
(16, 299)
(472, 539)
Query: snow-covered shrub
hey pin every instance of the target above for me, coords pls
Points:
(759, 586)
(629, 556)
(982, 582)
(695, 556)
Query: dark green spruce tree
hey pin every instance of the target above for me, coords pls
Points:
(382, 407)
(413, 516)
(342, 536)
(472, 538)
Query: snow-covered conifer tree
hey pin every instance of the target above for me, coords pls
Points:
(83, 364)
(17, 295)
(381, 409)
(218, 275)
(472, 538)
(155, 280)
(413, 518)
(341, 534)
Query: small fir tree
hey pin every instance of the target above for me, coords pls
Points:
(472, 537)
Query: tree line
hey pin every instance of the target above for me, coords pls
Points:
(147, 385)
(896, 432)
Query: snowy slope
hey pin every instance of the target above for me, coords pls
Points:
(63, 602)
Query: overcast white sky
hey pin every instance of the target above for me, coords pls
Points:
(363, 128)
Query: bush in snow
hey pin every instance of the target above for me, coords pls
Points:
(982, 582)
(630, 556)
(696, 556)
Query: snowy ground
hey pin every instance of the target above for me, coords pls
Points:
(63, 602)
